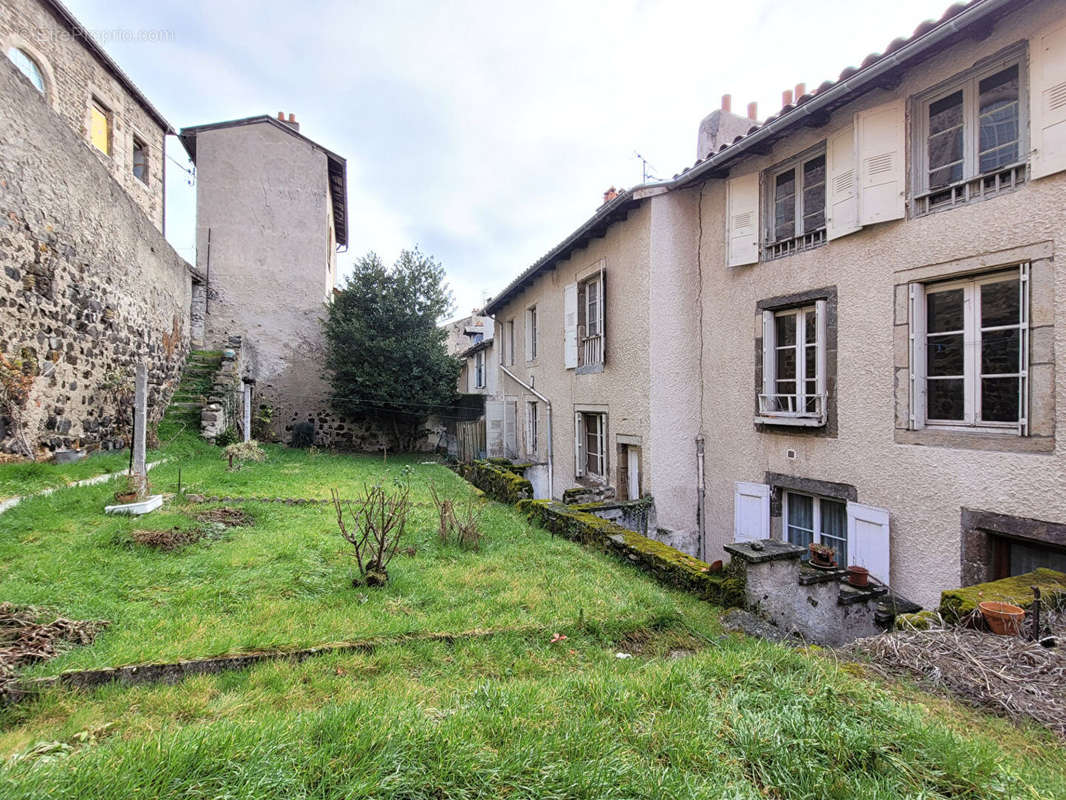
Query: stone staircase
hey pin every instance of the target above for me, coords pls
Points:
(191, 395)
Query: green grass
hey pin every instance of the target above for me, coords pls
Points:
(27, 477)
(694, 713)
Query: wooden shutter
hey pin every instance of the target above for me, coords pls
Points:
(495, 413)
(918, 353)
(742, 220)
(1047, 101)
(769, 353)
(603, 319)
(570, 326)
(471, 375)
(880, 143)
(751, 512)
(528, 328)
(579, 444)
(821, 325)
(868, 539)
(842, 199)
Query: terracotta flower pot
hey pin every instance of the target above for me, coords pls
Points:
(858, 576)
(1003, 618)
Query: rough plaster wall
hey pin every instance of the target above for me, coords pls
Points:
(923, 487)
(670, 452)
(73, 76)
(622, 386)
(88, 284)
(262, 194)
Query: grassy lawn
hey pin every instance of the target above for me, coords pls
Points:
(688, 712)
(27, 477)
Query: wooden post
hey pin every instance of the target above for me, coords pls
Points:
(140, 429)
(247, 412)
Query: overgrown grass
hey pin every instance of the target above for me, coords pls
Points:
(692, 712)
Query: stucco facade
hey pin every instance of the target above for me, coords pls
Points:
(924, 478)
(266, 244)
(75, 74)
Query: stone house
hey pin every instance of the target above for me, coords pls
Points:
(883, 340)
(841, 325)
(89, 287)
(91, 92)
(271, 208)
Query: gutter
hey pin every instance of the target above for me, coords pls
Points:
(548, 404)
(847, 86)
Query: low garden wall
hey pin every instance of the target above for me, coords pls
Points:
(499, 479)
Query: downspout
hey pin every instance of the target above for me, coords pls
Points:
(701, 491)
(548, 405)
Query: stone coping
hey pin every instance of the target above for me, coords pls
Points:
(763, 550)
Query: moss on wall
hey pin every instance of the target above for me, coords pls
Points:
(957, 603)
(497, 480)
(668, 565)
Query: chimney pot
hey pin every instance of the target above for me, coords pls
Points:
(753, 111)
(292, 117)
(786, 98)
(610, 195)
(727, 102)
(281, 115)
(801, 89)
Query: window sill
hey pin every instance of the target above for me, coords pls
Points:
(800, 422)
(976, 439)
(589, 369)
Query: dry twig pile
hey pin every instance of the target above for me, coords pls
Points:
(25, 640)
(1005, 674)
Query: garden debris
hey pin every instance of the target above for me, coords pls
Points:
(25, 639)
(1006, 674)
(230, 517)
(168, 540)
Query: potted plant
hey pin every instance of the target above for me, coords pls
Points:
(133, 491)
(858, 576)
(1004, 619)
(822, 555)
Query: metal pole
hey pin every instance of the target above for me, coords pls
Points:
(140, 420)
(701, 494)
(247, 412)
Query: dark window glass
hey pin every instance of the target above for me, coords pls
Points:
(945, 355)
(1000, 303)
(945, 311)
(945, 140)
(814, 194)
(800, 519)
(785, 205)
(998, 119)
(785, 325)
(999, 352)
(999, 399)
(140, 160)
(944, 399)
(786, 364)
(834, 525)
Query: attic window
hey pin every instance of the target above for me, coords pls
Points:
(140, 160)
(28, 66)
(795, 193)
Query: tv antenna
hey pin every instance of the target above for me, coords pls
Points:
(646, 170)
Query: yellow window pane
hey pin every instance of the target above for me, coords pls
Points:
(99, 134)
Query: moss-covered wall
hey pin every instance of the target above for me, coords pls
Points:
(498, 480)
(668, 565)
(957, 603)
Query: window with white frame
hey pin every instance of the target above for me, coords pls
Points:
(140, 160)
(531, 333)
(971, 136)
(531, 427)
(795, 199)
(479, 369)
(590, 320)
(970, 352)
(590, 451)
(510, 342)
(819, 520)
(794, 366)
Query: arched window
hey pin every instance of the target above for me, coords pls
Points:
(27, 66)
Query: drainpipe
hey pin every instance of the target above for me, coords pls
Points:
(548, 405)
(701, 493)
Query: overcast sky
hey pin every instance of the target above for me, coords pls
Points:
(483, 131)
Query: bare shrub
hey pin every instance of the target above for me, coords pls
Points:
(242, 452)
(378, 520)
(461, 527)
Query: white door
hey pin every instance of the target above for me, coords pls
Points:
(495, 411)
(633, 471)
(868, 539)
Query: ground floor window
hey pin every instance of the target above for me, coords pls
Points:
(817, 519)
(531, 427)
(590, 439)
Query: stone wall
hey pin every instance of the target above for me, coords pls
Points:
(225, 401)
(88, 285)
(74, 77)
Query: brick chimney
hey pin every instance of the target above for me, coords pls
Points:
(753, 112)
(291, 121)
(801, 89)
(610, 195)
(719, 128)
(786, 98)
(727, 102)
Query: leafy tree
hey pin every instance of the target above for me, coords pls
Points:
(384, 351)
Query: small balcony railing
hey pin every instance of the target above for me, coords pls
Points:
(982, 187)
(786, 247)
(591, 350)
(793, 409)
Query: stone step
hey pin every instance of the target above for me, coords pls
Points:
(186, 404)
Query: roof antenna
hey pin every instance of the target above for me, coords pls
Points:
(646, 169)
